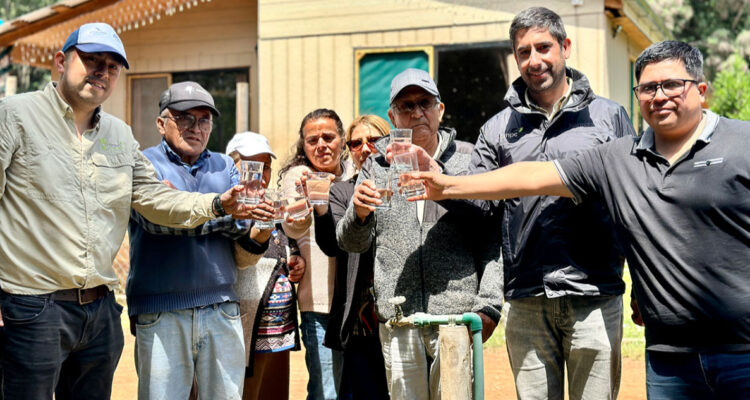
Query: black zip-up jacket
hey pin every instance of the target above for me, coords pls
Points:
(551, 246)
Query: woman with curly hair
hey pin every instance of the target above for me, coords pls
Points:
(319, 148)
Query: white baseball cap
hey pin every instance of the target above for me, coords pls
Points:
(249, 144)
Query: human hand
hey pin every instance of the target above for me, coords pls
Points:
(297, 268)
(232, 206)
(365, 198)
(169, 184)
(425, 160)
(262, 211)
(2, 323)
(488, 326)
(636, 315)
(435, 184)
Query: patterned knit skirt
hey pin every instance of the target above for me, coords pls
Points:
(276, 327)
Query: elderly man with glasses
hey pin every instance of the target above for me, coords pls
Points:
(183, 308)
(444, 257)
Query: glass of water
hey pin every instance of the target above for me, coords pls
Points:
(251, 177)
(405, 163)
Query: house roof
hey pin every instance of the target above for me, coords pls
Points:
(638, 21)
(38, 35)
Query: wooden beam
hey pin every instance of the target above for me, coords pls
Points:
(32, 27)
(616, 4)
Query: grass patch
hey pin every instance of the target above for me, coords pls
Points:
(633, 341)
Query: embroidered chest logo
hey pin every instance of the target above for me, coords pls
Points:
(514, 133)
(110, 147)
(708, 163)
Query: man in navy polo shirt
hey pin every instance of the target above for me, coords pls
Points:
(680, 199)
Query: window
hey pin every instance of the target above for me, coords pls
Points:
(472, 80)
(143, 106)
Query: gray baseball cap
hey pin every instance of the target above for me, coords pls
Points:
(186, 95)
(413, 77)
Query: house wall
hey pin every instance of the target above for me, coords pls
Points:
(219, 34)
(618, 60)
(307, 48)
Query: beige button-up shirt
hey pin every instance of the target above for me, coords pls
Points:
(65, 203)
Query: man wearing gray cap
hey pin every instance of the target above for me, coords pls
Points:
(180, 294)
(442, 257)
(69, 175)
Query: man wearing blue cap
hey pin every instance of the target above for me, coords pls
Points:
(444, 258)
(69, 175)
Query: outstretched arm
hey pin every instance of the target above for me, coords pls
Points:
(531, 178)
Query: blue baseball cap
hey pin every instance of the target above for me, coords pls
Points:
(97, 37)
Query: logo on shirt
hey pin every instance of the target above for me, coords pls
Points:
(111, 147)
(708, 163)
(514, 133)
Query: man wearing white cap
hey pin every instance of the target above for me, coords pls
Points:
(69, 174)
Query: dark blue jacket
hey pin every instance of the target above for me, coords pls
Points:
(551, 246)
(172, 269)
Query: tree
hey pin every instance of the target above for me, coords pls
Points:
(731, 96)
(718, 28)
(29, 78)
(721, 30)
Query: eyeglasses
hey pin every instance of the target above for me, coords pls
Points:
(356, 144)
(327, 138)
(187, 121)
(408, 107)
(670, 88)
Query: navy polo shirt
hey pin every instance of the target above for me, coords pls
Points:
(686, 229)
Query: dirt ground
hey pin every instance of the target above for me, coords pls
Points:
(497, 375)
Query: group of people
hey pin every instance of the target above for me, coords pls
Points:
(541, 212)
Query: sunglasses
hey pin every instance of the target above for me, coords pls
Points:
(356, 144)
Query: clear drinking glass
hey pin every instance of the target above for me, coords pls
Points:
(251, 177)
(271, 196)
(400, 140)
(318, 184)
(384, 187)
(404, 163)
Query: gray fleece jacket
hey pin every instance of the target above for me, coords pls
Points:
(448, 264)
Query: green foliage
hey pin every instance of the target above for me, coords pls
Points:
(14, 8)
(29, 78)
(718, 28)
(731, 96)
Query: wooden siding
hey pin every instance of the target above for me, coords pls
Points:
(219, 34)
(307, 48)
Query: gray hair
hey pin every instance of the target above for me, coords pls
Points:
(538, 17)
(690, 56)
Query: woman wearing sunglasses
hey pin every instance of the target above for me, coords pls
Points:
(352, 325)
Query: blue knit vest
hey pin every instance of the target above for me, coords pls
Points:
(177, 272)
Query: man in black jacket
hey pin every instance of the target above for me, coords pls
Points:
(563, 268)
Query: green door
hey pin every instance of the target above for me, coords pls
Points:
(376, 70)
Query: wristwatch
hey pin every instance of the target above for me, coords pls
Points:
(217, 207)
